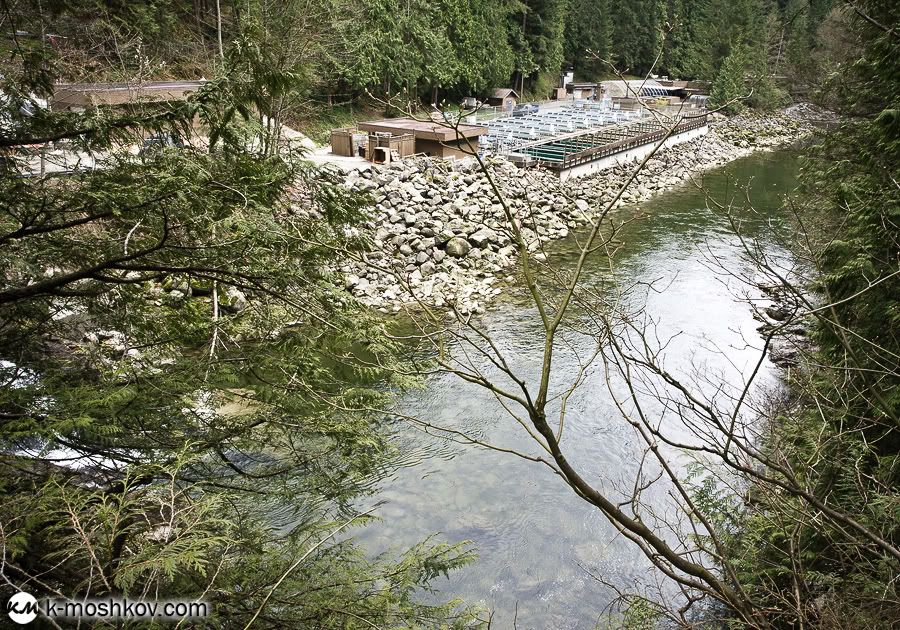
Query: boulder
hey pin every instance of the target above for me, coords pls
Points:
(482, 237)
(778, 314)
(236, 299)
(444, 236)
(458, 247)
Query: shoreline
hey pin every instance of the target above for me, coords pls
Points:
(438, 225)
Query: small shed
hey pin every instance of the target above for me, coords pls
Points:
(581, 90)
(504, 98)
(348, 141)
(382, 145)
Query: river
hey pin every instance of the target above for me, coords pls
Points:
(538, 544)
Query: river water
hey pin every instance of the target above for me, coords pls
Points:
(539, 546)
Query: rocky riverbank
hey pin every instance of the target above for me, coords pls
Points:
(439, 234)
(780, 320)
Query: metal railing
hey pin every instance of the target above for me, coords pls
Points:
(511, 134)
(566, 152)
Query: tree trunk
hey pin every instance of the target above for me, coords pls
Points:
(219, 28)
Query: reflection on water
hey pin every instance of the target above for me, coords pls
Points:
(537, 543)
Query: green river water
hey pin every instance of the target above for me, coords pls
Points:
(538, 544)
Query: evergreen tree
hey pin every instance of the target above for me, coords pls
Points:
(628, 37)
(798, 41)
(677, 40)
(730, 85)
(588, 28)
(718, 26)
(544, 30)
(185, 386)
(483, 60)
(654, 25)
(841, 431)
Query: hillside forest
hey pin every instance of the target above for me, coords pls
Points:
(445, 49)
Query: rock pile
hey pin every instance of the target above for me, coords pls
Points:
(756, 131)
(810, 112)
(783, 321)
(440, 234)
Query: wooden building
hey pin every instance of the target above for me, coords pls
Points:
(504, 98)
(431, 138)
(79, 96)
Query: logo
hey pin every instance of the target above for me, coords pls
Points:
(22, 608)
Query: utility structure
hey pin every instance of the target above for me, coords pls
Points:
(431, 138)
(577, 140)
(581, 153)
(623, 125)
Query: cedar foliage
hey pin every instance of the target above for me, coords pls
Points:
(436, 50)
(839, 432)
(185, 388)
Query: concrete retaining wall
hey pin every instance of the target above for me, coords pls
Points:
(632, 155)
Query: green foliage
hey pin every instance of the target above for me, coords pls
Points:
(676, 46)
(189, 397)
(483, 60)
(431, 50)
(857, 174)
(694, 36)
(839, 436)
(544, 27)
(640, 614)
(591, 31)
(730, 87)
(450, 45)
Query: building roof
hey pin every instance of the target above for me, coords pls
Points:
(89, 94)
(624, 89)
(503, 93)
(425, 129)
